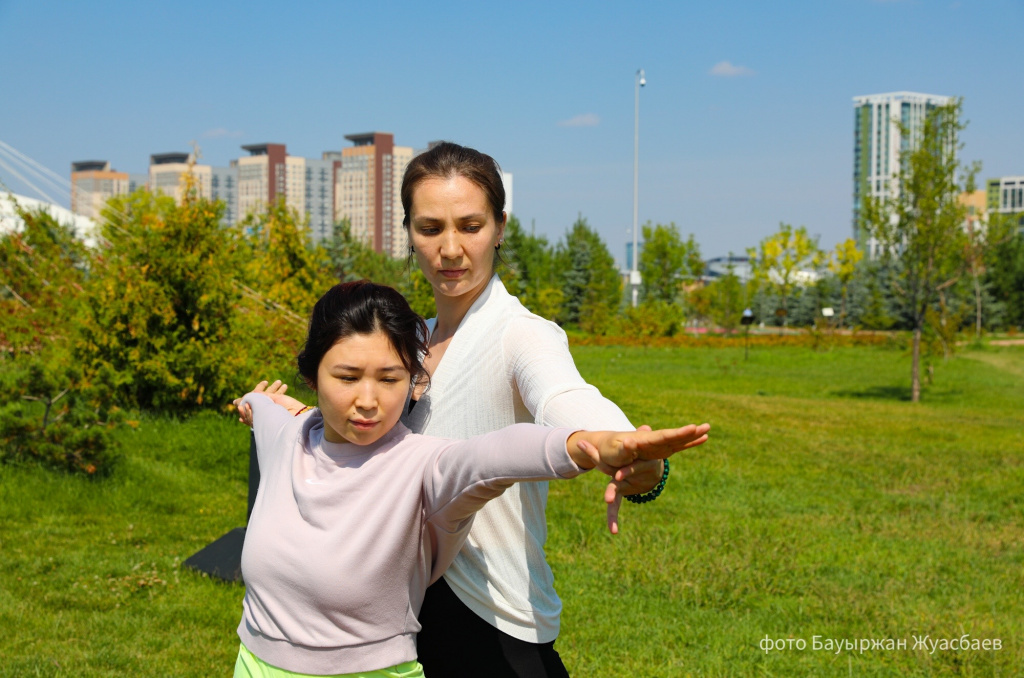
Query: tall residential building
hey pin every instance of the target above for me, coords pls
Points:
(224, 186)
(878, 142)
(167, 174)
(261, 177)
(319, 194)
(368, 190)
(92, 184)
(1005, 195)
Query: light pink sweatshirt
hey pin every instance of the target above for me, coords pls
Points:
(344, 539)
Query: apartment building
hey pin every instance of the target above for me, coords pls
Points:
(92, 184)
(878, 140)
(368, 188)
(361, 183)
(167, 173)
(1005, 195)
(319, 194)
(261, 177)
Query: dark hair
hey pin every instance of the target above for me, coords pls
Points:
(363, 307)
(446, 160)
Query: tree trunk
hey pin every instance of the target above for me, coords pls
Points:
(915, 364)
(842, 309)
(977, 306)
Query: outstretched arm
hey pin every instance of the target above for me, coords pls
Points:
(609, 451)
(555, 393)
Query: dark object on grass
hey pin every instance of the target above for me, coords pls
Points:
(746, 320)
(223, 558)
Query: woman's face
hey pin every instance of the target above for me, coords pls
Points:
(453, 232)
(362, 387)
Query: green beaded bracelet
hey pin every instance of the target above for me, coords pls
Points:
(653, 494)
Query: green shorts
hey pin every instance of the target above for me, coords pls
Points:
(249, 665)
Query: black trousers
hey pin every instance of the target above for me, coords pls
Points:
(456, 643)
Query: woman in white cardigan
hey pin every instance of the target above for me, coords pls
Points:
(492, 363)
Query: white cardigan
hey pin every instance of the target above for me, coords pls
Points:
(505, 365)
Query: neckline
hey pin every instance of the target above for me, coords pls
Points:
(493, 285)
(342, 451)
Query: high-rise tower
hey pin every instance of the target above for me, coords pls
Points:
(368, 191)
(878, 140)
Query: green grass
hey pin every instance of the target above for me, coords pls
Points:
(825, 504)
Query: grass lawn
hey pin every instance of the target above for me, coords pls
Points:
(826, 504)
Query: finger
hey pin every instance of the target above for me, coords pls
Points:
(631, 447)
(625, 472)
(699, 441)
(261, 387)
(275, 387)
(613, 513)
(666, 442)
(595, 456)
(643, 427)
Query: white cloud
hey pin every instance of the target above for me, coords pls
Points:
(726, 69)
(222, 133)
(582, 120)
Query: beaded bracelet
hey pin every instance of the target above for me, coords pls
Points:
(307, 407)
(653, 494)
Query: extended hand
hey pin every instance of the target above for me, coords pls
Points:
(275, 392)
(611, 450)
(640, 476)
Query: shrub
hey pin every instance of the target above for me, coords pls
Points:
(164, 327)
(52, 418)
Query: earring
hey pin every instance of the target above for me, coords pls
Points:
(411, 250)
(498, 246)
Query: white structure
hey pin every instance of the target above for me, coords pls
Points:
(84, 227)
(878, 142)
(721, 266)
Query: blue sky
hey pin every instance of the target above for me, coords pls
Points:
(746, 120)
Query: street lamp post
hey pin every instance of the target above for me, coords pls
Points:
(634, 274)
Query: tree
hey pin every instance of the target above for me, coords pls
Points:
(921, 221)
(666, 261)
(280, 264)
(874, 305)
(843, 262)
(353, 259)
(531, 275)
(722, 300)
(1004, 274)
(981, 238)
(590, 280)
(782, 261)
(167, 325)
(49, 412)
(42, 269)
